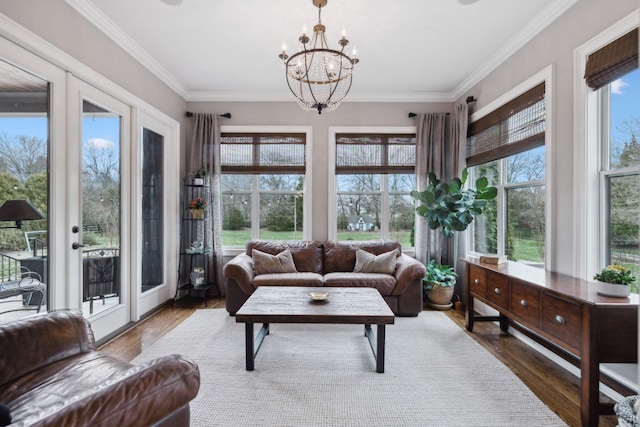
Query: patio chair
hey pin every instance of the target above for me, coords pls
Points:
(28, 284)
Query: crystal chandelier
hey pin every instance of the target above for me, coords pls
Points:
(318, 76)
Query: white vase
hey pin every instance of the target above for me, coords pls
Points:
(613, 289)
(198, 181)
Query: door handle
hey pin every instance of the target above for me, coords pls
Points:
(76, 245)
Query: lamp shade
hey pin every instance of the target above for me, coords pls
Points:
(18, 210)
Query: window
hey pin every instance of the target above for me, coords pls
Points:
(263, 186)
(620, 171)
(507, 146)
(374, 175)
(607, 112)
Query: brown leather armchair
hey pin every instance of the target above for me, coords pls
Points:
(52, 375)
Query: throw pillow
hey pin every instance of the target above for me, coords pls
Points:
(5, 415)
(264, 263)
(367, 262)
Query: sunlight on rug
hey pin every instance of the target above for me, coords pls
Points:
(319, 375)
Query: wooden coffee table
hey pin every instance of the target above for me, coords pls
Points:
(291, 304)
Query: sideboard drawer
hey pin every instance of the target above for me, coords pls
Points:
(498, 290)
(563, 320)
(525, 303)
(477, 281)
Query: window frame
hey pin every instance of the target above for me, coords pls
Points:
(307, 191)
(544, 76)
(589, 214)
(332, 229)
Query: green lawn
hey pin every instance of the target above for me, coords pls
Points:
(526, 250)
(237, 238)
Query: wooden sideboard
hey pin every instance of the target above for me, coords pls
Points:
(562, 312)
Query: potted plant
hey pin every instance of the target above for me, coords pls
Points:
(199, 176)
(438, 285)
(450, 207)
(197, 206)
(614, 280)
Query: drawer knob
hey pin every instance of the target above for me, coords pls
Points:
(497, 291)
(477, 281)
(524, 303)
(560, 319)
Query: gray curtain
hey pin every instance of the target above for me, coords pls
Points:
(205, 154)
(431, 133)
(459, 123)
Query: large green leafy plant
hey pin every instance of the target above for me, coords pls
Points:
(451, 207)
(439, 275)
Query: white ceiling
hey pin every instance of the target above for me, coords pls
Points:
(409, 50)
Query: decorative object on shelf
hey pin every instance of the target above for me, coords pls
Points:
(197, 277)
(197, 206)
(438, 285)
(614, 281)
(318, 76)
(199, 176)
(493, 259)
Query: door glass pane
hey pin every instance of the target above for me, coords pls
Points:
(100, 209)
(152, 211)
(24, 177)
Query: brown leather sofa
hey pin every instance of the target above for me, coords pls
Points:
(52, 375)
(328, 264)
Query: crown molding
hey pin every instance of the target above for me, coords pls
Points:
(236, 96)
(532, 29)
(111, 30)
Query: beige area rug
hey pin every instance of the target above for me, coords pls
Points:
(324, 375)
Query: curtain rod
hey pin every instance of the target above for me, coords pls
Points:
(470, 99)
(225, 115)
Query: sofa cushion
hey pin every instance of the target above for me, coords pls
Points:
(341, 256)
(367, 262)
(264, 263)
(307, 255)
(384, 283)
(288, 279)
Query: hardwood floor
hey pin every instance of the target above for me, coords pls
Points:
(551, 383)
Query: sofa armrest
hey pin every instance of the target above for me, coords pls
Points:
(41, 340)
(407, 271)
(144, 394)
(240, 269)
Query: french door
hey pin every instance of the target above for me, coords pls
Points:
(98, 206)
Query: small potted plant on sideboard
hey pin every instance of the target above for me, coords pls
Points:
(614, 281)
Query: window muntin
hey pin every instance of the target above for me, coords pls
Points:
(375, 174)
(262, 184)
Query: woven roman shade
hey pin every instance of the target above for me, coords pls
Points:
(375, 153)
(612, 61)
(515, 127)
(255, 153)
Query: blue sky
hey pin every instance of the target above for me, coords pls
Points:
(102, 130)
(625, 103)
